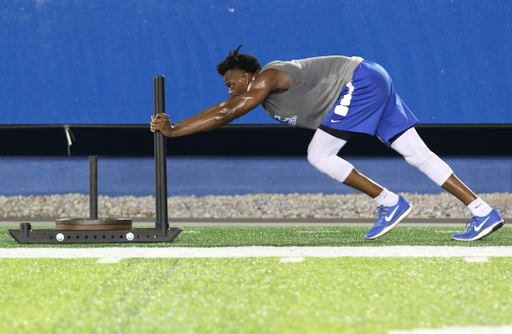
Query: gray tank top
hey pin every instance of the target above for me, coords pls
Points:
(316, 84)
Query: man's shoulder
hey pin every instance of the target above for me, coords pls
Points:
(271, 75)
(274, 80)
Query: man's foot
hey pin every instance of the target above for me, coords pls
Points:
(479, 227)
(388, 217)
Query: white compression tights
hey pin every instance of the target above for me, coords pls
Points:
(420, 156)
(322, 153)
(323, 150)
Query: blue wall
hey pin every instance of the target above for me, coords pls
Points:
(92, 61)
(234, 176)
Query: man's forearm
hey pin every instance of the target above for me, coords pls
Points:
(209, 119)
(215, 116)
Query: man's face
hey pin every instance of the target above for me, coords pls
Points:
(237, 82)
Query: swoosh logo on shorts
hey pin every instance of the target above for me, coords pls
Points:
(333, 121)
(477, 228)
(388, 218)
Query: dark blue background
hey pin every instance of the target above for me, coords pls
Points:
(234, 175)
(92, 61)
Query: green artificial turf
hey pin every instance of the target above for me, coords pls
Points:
(259, 295)
(233, 236)
(252, 295)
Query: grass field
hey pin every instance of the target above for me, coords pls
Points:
(235, 236)
(260, 295)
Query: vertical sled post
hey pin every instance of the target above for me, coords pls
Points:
(160, 158)
(93, 187)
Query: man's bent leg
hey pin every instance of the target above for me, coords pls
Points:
(322, 153)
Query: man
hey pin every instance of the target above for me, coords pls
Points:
(336, 96)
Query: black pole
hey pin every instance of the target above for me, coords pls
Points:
(160, 159)
(93, 187)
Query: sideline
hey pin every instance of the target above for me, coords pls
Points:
(255, 251)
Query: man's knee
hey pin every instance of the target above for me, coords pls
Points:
(316, 159)
(412, 148)
(322, 147)
(323, 155)
(332, 165)
(419, 159)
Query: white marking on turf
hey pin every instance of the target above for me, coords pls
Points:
(315, 232)
(476, 259)
(256, 251)
(291, 259)
(457, 330)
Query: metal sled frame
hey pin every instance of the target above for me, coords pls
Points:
(161, 232)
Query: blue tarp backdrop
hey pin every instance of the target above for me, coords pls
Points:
(92, 61)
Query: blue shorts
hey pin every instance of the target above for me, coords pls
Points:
(369, 104)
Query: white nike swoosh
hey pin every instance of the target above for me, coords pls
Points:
(335, 121)
(388, 218)
(477, 228)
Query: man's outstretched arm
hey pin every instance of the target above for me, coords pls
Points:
(208, 119)
(222, 113)
(211, 118)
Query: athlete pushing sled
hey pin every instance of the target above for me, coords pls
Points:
(336, 96)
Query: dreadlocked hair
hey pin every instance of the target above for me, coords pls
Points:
(239, 61)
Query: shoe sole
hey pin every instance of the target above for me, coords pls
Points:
(390, 227)
(485, 232)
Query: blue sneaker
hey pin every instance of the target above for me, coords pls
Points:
(388, 217)
(479, 227)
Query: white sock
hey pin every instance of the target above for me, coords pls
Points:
(479, 208)
(386, 198)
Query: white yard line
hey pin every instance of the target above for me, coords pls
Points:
(457, 330)
(256, 251)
